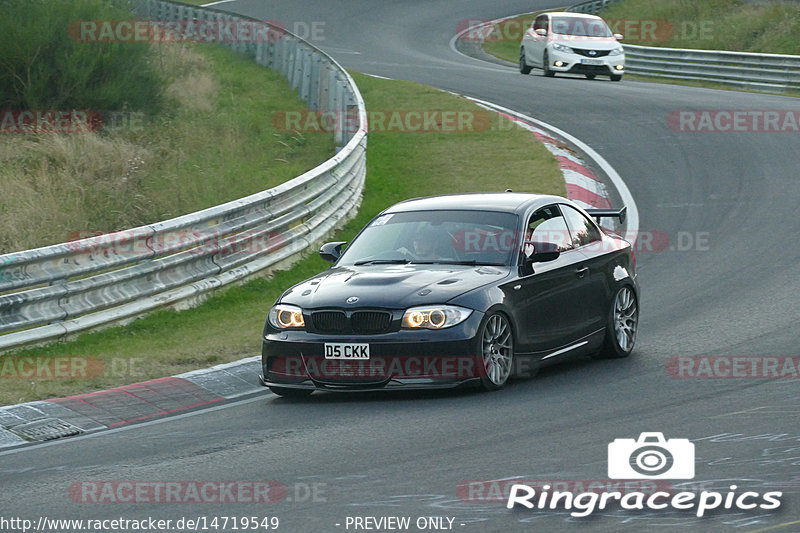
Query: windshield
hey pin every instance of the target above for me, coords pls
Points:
(436, 237)
(580, 27)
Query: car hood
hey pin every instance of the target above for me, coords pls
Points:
(390, 286)
(590, 43)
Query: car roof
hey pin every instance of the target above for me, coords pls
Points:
(572, 15)
(512, 202)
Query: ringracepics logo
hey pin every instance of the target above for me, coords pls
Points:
(650, 457)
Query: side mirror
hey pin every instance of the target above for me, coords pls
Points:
(541, 32)
(332, 251)
(540, 252)
(618, 36)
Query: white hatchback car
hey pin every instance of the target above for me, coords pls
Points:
(574, 43)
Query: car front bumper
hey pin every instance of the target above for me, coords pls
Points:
(579, 64)
(405, 359)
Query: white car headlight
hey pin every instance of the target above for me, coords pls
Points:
(562, 48)
(616, 51)
(284, 316)
(434, 316)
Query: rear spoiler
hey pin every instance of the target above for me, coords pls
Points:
(608, 213)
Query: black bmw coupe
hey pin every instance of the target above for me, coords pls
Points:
(453, 290)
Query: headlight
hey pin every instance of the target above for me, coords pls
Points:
(562, 48)
(616, 51)
(284, 316)
(434, 317)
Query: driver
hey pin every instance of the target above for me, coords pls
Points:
(424, 244)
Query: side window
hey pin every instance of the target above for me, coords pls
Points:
(547, 225)
(540, 23)
(582, 229)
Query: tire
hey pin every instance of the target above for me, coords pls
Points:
(590, 76)
(496, 347)
(616, 77)
(291, 393)
(523, 66)
(546, 66)
(622, 325)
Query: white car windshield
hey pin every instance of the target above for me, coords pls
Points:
(580, 27)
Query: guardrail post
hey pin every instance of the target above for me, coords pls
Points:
(286, 58)
(297, 66)
(305, 76)
(322, 91)
(272, 49)
(314, 79)
(331, 88)
(340, 108)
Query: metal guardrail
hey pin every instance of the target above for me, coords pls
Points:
(742, 69)
(592, 8)
(51, 292)
(758, 71)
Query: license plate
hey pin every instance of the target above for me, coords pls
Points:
(346, 351)
(591, 62)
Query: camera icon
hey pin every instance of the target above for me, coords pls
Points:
(651, 457)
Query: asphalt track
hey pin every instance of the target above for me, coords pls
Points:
(734, 294)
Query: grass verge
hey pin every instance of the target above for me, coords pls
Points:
(769, 27)
(400, 164)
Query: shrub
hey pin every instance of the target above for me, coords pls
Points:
(41, 67)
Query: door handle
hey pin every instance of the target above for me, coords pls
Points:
(581, 272)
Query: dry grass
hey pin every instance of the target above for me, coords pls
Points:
(54, 184)
(215, 142)
(193, 85)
